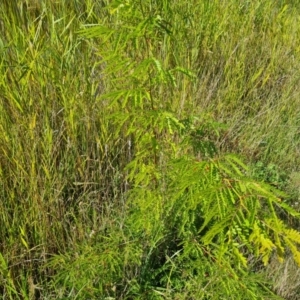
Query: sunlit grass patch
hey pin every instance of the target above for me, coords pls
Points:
(115, 121)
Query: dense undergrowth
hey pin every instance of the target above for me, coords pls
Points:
(118, 124)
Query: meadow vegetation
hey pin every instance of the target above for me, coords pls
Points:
(149, 149)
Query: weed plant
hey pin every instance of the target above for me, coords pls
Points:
(118, 120)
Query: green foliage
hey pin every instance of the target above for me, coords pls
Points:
(115, 172)
(269, 173)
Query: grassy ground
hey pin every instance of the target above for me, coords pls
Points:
(79, 104)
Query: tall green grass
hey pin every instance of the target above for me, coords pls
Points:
(115, 121)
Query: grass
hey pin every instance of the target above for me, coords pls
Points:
(84, 108)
